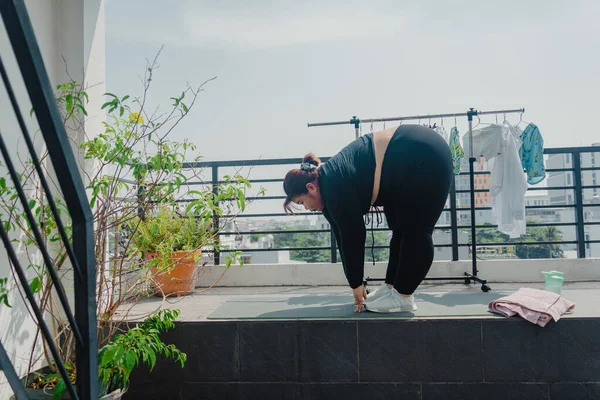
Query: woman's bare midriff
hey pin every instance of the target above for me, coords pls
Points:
(381, 139)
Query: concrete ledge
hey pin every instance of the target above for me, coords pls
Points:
(328, 274)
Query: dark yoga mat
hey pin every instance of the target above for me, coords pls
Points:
(327, 306)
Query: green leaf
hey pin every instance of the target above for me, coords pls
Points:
(108, 356)
(129, 361)
(108, 103)
(185, 108)
(119, 353)
(59, 389)
(4, 299)
(152, 357)
(121, 111)
(124, 98)
(36, 284)
(31, 111)
(110, 94)
(69, 100)
(52, 376)
(82, 109)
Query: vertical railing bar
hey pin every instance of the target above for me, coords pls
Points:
(36, 310)
(38, 168)
(473, 224)
(11, 375)
(333, 245)
(38, 237)
(579, 218)
(141, 189)
(454, 220)
(215, 190)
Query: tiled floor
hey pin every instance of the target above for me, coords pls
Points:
(200, 305)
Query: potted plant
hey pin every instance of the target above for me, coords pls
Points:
(140, 344)
(171, 245)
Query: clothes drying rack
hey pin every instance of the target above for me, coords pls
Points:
(468, 277)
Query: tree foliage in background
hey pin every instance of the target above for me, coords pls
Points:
(317, 239)
(382, 238)
(541, 234)
(322, 239)
(533, 234)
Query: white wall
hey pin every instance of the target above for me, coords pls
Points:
(73, 29)
(314, 274)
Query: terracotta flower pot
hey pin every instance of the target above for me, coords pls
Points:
(179, 280)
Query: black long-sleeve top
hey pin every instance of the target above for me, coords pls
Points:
(346, 185)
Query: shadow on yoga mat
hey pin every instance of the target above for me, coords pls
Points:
(327, 306)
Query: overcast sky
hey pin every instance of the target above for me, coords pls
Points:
(282, 64)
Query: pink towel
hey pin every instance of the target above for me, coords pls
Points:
(536, 306)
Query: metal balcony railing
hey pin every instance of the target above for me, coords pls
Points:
(456, 205)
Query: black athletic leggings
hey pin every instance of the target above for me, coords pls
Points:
(415, 180)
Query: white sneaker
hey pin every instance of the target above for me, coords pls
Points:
(378, 293)
(393, 302)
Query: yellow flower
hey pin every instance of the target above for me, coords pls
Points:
(136, 117)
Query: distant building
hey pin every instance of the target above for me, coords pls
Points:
(565, 178)
(255, 251)
(566, 196)
(591, 232)
(541, 215)
(482, 181)
(445, 253)
(267, 257)
(482, 199)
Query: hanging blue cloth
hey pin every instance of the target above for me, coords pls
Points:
(532, 154)
(456, 149)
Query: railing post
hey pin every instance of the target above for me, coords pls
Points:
(215, 186)
(141, 189)
(85, 309)
(454, 220)
(11, 375)
(472, 161)
(333, 246)
(579, 218)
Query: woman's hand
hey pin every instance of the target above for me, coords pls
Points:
(360, 294)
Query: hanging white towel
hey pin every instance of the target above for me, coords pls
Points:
(487, 142)
(500, 144)
(442, 132)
